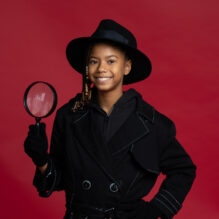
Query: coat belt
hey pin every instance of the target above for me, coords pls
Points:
(85, 211)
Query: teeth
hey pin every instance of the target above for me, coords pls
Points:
(103, 79)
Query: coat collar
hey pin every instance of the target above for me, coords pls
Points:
(143, 108)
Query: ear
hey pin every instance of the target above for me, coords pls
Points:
(128, 66)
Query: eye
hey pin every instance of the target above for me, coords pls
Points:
(92, 62)
(111, 61)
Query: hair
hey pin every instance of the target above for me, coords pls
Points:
(86, 93)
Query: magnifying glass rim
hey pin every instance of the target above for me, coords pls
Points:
(54, 96)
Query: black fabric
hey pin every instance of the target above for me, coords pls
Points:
(44, 181)
(129, 210)
(36, 144)
(140, 209)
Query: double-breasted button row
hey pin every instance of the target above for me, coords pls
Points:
(86, 185)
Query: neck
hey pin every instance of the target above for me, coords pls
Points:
(107, 99)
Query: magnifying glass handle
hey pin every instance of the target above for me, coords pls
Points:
(38, 125)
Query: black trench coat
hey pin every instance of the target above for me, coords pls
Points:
(148, 136)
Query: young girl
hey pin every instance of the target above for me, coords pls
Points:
(108, 146)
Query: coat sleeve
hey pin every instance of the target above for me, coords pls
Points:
(51, 180)
(180, 172)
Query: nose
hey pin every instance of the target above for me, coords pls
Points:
(101, 67)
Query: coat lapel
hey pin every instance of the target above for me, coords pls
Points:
(146, 153)
(137, 126)
(132, 130)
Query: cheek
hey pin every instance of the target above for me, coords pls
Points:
(91, 71)
(120, 71)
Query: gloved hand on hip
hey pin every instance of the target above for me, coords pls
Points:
(139, 209)
(36, 144)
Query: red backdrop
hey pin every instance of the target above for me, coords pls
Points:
(181, 39)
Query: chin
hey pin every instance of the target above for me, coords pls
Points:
(104, 89)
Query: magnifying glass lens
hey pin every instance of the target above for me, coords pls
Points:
(40, 100)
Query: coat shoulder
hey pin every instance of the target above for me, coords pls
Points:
(155, 116)
(164, 125)
(163, 120)
(166, 128)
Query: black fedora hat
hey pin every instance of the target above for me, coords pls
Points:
(109, 30)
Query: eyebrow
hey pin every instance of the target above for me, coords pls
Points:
(106, 56)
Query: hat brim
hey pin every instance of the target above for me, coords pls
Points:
(76, 52)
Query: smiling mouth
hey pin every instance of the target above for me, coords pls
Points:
(102, 78)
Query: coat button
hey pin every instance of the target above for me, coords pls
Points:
(86, 184)
(114, 187)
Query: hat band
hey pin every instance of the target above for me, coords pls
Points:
(111, 35)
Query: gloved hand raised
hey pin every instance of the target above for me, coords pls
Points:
(36, 144)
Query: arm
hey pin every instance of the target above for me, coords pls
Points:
(180, 173)
(47, 178)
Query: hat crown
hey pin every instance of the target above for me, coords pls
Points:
(109, 29)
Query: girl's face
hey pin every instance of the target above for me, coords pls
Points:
(107, 66)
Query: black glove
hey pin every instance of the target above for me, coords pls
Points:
(36, 144)
(140, 209)
(154, 211)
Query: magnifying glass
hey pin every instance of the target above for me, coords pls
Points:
(40, 100)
